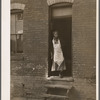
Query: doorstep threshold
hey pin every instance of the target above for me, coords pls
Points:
(57, 78)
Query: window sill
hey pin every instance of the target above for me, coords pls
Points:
(57, 78)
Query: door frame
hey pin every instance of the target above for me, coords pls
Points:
(49, 35)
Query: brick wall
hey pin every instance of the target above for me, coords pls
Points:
(84, 38)
(36, 31)
(32, 70)
(83, 35)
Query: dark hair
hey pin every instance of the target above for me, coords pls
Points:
(54, 31)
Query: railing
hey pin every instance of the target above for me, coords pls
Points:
(16, 43)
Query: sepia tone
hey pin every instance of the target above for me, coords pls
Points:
(32, 25)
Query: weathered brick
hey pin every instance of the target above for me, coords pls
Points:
(35, 52)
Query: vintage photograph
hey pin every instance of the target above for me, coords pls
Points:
(53, 49)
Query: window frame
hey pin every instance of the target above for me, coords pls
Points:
(16, 12)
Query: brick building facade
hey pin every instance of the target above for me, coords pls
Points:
(29, 69)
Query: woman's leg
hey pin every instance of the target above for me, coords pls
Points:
(61, 68)
(56, 66)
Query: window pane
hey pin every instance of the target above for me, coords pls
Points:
(19, 27)
(64, 11)
(13, 24)
(19, 16)
(19, 43)
(13, 43)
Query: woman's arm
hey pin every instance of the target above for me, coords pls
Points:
(51, 55)
(52, 51)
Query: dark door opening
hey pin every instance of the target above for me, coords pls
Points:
(64, 27)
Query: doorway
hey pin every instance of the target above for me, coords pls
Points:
(61, 21)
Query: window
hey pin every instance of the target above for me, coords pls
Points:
(16, 31)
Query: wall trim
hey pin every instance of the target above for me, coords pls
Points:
(51, 2)
(17, 6)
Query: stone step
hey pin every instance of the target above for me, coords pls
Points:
(64, 79)
(54, 96)
(58, 86)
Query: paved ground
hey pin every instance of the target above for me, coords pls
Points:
(22, 98)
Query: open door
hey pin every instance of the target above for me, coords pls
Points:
(61, 20)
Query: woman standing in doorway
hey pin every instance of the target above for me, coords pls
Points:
(57, 55)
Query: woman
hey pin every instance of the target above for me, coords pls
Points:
(57, 55)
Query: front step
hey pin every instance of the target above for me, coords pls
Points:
(58, 86)
(64, 79)
(51, 96)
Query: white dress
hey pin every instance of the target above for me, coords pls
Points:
(58, 57)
